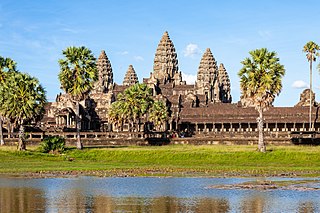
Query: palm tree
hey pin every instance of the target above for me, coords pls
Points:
(77, 75)
(311, 49)
(260, 83)
(22, 100)
(158, 114)
(6, 65)
(131, 106)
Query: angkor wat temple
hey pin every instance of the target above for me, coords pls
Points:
(203, 107)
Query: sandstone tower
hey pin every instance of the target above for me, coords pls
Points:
(131, 77)
(206, 76)
(224, 85)
(165, 67)
(105, 75)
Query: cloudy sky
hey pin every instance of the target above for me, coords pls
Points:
(34, 33)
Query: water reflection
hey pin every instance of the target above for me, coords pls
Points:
(136, 204)
(21, 200)
(88, 194)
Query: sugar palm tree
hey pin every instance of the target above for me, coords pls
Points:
(6, 65)
(22, 100)
(131, 105)
(260, 83)
(158, 114)
(311, 49)
(77, 74)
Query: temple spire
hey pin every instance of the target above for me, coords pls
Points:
(224, 84)
(105, 75)
(206, 76)
(165, 61)
(131, 77)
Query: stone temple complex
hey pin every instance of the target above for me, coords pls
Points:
(204, 107)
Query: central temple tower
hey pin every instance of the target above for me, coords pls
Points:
(165, 67)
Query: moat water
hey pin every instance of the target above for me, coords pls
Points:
(93, 194)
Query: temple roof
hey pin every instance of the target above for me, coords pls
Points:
(131, 77)
(165, 60)
(233, 113)
(105, 74)
(207, 68)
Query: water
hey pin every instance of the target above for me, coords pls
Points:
(92, 194)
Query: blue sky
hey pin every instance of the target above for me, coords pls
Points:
(34, 33)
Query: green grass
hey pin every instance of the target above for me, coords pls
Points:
(178, 160)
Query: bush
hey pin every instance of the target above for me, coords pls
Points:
(54, 144)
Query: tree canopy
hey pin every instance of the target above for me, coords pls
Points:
(135, 103)
(78, 72)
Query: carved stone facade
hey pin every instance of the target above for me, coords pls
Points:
(305, 98)
(204, 106)
(131, 77)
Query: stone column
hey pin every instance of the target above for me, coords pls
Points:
(68, 120)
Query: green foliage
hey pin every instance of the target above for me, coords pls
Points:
(52, 144)
(22, 98)
(158, 113)
(78, 72)
(6, 65)
(260, 78)
(131, 105)
(311, 49)
(135, 103)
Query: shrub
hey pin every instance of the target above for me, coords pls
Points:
(54, 144)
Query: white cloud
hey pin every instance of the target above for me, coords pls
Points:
(299, 84)
(189, 78)
(123, 53)
(191, 50)
(138, 58)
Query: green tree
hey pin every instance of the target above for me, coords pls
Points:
(22, 100)
(158, 114)
(6, 65)
(77, 74)
(131, 106)
(260, 83)
(311, 49)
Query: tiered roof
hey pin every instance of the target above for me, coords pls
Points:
(207, 70)
(165, 60)
(105, 74)
(224, 84)
(131, 77)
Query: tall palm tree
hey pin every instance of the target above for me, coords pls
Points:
(22, 100)
(260, 83)
(6, 65)
(158, 114)
(77, 75)
(311, 49)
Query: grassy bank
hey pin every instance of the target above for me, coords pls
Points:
(177, 160)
